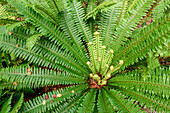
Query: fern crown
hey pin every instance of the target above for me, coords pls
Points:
(102, 51)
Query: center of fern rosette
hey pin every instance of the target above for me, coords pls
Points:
(100, 61)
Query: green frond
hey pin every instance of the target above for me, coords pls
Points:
(102, 7)
(158, 11)
(146, 99)
(152, 61)
(122, 13)
(88, 102)
(18, 47)
(18, 105)
(78, 14)
(91, 6)
(129, 23)
(132, 5)
(3, 93)
(55, 6)
(49, 8)
(123, 105)
(37, 77)
(7, 11)
(7, 21)
(19, 32)
(31, 41)
(144, 39)
(68, 25)
(71, 105)
(100, 51)
(2, 29)
(46, 27)
(10, 85)
(108, 23)
(36, 105)
(155, 83)
(52, 52)
(6, 107)
(15, 24)
(46, 13)
(164, 50)
(104, 105)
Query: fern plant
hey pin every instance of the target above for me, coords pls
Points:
(90, 55)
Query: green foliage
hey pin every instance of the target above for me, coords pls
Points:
(6, 106)
(103, 7)
(18, 105)
(7, 102)
(106, 63)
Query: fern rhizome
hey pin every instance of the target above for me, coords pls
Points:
(103, 50)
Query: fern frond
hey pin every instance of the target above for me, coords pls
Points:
(90, 6)
(104, 105)
(10, 85)
(49, 8)
(53, 52)
(88, 102)
(16, 24)
(36, 104)
(155, 83)
(44, 50)
(152, 61)
(143, 40)
(2, 29)
(46, 13)
(119, 101)
(6, 107)
(17, 106)
(7, 21)
(71, 105)
(122, 13)
(46, 27)
(158, 11)
(129, 23)
(144, 98)
(108, 23)
(70, 30)
(132, 5)
(37, 77)
(18, 48)
(31, 41)
(104, 6)
(78, 14)
(7, 11)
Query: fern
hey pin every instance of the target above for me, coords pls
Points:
(104, 6)
(66, 93)
(106, 63)
(6, 106)
(18, 105)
